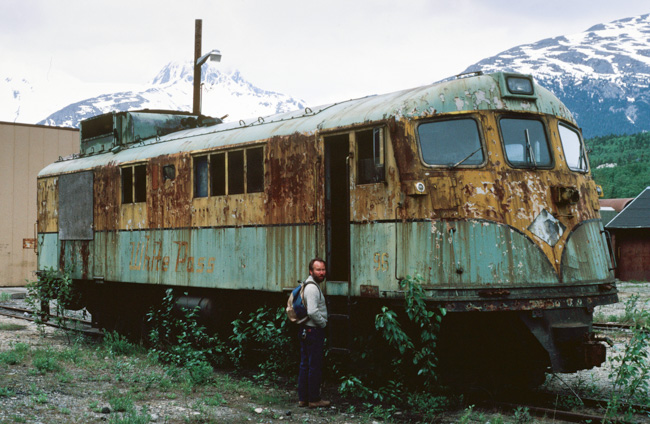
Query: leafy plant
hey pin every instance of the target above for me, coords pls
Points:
(182, 342)
(632, 374)
(45, 361)
(52, 287)
(408, 362)
(263, 340)
(15, 355)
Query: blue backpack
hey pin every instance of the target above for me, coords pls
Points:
(296, 308)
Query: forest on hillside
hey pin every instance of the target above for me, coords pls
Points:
(620, 163)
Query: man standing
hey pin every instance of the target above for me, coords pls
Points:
(312, 338)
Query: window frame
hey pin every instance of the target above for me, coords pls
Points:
(583, 148)
(378, 162)
(545, 129)
(138, 194)
(225, 155)
(481, 140)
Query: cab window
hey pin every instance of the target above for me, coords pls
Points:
(525, 143)
(453, 142)
(574, 151)
(370, 156)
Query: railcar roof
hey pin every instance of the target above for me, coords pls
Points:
(480, 92)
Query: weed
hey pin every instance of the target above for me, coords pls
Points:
(263, 340)
(115, 344)
(522, 415)
(5, 297)
(467, 415)
(45, 361)
(52, 287)
(631, 376)
(16, 355)
(120, 402)
(411, 363)
(11, 327)
(182, 342)
(132, 416)
(6, 392)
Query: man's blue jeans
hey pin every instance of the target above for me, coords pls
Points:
(312, 340)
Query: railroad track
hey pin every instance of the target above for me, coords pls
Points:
(72, 323)
(549, 405)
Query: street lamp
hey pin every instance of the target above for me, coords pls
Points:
(214, 56)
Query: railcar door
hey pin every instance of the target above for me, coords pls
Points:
(337, 207)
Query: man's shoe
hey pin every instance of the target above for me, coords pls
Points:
(303, 404)
(320, 404)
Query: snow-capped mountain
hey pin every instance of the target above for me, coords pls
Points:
(601, 74)
(223, 94)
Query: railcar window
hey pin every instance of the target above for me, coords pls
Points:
(140, 183)
(169, 172)
(218, 174)
(255, 170)
(201, 176)
(233, 172)
(134, 184)
(370, 156)
(127, 185)
(574, 151)
(236, 172)
(525, 143)
(454, 142)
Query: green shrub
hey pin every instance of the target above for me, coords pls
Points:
(45, 361)
(182, 342)
(264, 341)
(16, 355)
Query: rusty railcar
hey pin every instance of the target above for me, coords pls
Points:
(479, 184)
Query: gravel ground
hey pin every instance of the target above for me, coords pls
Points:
(74, 395)
(597, 380)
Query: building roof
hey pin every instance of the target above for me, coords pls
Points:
(635, 215)
(616, 204)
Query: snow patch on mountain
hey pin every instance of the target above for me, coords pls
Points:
(223, 93)
(601, 74)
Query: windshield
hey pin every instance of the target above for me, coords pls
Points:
(452, 142)
(525, 143)
(574, 151)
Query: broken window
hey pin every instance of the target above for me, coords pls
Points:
(574, 150)
(370, 156)
(525, 143)
(236, 172)
(134, 184)
(452, 142)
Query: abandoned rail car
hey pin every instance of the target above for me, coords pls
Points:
(479, 184)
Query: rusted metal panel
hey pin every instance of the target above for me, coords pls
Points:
(48, 205)
(293, 175)
(107, 198)
(586, 256)
(76, 206)
(169, 203)
(48, 251)
(255, 258)
(472, 253)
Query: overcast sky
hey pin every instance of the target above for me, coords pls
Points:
(320, 51)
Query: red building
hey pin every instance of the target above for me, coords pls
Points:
(630, 231)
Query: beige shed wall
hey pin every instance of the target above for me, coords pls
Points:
(24, 151)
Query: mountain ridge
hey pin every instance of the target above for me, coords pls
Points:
(601, 74)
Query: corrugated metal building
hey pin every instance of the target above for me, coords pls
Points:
(24, 151)
(630, 231)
